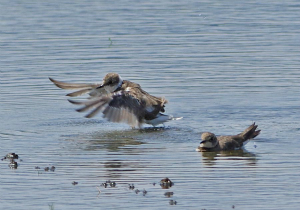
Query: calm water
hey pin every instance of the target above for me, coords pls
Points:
(222, 65)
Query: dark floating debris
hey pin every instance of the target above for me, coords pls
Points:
(131, 186)
(172, 202)
(104, 185)
(166, 183)
(74, 183)
(169, 194)
(10, 156)
(137, 191)
(52, 168)
(112, 184)
(144, 192)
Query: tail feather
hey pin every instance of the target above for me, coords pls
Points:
(161, 119)
(250, 132)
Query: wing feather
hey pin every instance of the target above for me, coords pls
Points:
(121, 106)
(66, 85)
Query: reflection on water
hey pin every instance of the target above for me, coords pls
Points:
(115, 140)
(112, 141)
(211, 158)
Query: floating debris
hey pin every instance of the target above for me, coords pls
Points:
(154, 183)
(52, 168)
(233, 206)
(46, 169)
(112, 184)
(137, 191)
(74, 183)
(172, 202)
(12, 156)
(131, 186)
(166, 183)
(144, 192)
(104, 185)
(169, 194)
(37, 167)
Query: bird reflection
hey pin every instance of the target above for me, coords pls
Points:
(116, 168)
(112, 149)
(211, 158)
(111, 141)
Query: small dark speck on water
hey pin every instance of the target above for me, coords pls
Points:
(112, 184)
(144, 192)
(74, 183)
(104, 185)
(166, 183)
(172, 202)
(169, 194)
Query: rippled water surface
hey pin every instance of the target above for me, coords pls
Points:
(222, 65)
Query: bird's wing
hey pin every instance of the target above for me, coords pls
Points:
(121, 106)
(83, 88)
(230, 142)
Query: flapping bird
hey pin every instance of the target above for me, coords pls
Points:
(120, 101)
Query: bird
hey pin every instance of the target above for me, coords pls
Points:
(119, 100)
(211, 143)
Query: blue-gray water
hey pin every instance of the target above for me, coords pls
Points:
(221, 64)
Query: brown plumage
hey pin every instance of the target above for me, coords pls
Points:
(119, 101)
(212, 143)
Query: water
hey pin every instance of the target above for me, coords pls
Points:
(222, 65)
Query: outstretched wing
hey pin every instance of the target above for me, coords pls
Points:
(83, 88)
(121, 106)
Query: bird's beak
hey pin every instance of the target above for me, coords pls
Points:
(101, 86)
(202, 143)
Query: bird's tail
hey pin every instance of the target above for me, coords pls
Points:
(161, 119)
(250, 132)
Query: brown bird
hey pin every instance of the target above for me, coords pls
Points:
(211, 143)
(119, 101)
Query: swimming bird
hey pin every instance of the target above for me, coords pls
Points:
(120, 101)
(211, 143)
